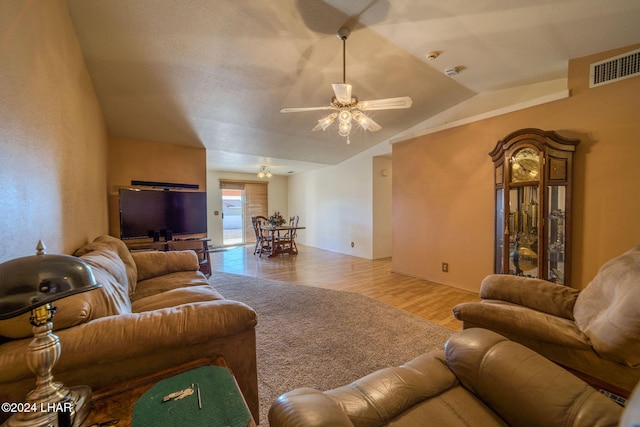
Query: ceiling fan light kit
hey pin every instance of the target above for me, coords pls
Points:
(347, 108)
(264, 173)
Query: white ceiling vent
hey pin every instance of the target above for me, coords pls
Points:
(614, 69)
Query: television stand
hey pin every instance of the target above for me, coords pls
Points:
(199, 246)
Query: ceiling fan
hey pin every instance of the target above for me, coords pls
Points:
(346, 107)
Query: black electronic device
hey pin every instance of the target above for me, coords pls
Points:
(165, 185)
(170, 213)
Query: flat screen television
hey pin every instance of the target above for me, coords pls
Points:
(143, 212)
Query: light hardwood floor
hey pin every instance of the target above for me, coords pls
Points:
(317, 267)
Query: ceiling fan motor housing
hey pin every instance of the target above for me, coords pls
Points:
(343, 33)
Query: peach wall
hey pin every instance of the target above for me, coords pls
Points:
(131, 159)
(53, 140)
(382, 207)
(443, 184)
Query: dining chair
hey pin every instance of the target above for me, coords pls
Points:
(289, 238)
(256, 230)
(264, 239)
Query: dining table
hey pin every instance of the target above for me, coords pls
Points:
(282, 238)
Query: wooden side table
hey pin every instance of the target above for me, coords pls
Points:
(115, 403)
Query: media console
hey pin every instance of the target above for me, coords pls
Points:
(199, 246)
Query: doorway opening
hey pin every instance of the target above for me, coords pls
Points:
(232, 217)
(240, 201)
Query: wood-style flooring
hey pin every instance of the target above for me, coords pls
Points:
(317, 267)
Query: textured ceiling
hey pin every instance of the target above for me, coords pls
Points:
(215, 73)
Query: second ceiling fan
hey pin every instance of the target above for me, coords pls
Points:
(346, 107)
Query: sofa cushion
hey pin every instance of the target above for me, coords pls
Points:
(607, 309)
(158, 263)
(167, 282)
(177, 297)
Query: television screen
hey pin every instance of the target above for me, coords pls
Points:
(144, 211)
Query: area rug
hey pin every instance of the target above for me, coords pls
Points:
(322, 338)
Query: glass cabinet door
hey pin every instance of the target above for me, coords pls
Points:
(556, 213)
(532, 190)
(523, 225)
(501, 232)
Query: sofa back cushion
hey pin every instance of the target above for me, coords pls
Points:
(158, 263)
(607, 309)
(110, 271)
(124, 269)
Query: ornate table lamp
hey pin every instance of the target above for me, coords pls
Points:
(32, 283)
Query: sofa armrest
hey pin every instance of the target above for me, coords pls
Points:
(515, 321)
(307, 407)
(129, 336)
(158, 263)
(537, 294)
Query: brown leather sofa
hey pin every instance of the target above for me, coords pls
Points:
(595, 332)
(481, 379)
(154, 311)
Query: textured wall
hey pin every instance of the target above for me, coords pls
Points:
(131, 159)
(335, 203)
(443, 184)
(53, 140)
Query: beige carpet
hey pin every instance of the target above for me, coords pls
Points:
(321, 338)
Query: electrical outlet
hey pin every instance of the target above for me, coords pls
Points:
(445, 267)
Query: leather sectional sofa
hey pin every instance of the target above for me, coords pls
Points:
(154, 311)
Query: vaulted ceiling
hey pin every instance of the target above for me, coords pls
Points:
(215, 73)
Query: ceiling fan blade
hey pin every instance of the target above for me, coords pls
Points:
(365, 121)
(325, 123)
(301, 109)
(385, 104)
(342, 91)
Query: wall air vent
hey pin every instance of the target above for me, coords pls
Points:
(614, 69)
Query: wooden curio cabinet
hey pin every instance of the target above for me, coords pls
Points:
(532, 171)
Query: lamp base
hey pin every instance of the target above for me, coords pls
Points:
(70, 410)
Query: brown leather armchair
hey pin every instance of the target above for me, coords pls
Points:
(481, 379)
(595, 332)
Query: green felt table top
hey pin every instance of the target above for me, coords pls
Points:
(222, 404)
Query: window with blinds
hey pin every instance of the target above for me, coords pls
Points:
(256, 195)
